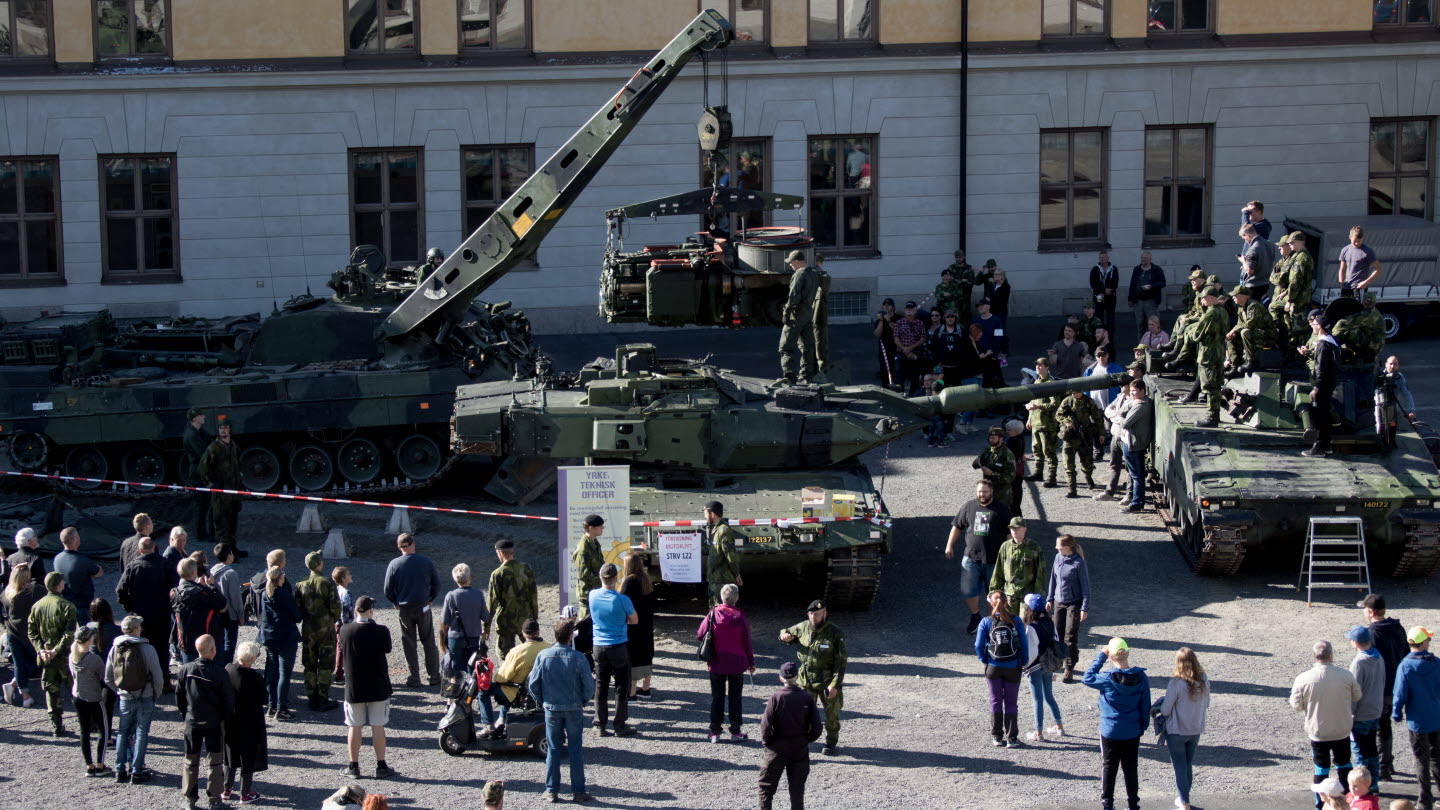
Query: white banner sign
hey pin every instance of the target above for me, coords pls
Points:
(680, 556)
(603, 491)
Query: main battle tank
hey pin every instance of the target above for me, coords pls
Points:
(691, 432)
(1243, 490)
(314, 400)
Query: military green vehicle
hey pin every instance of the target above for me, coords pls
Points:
(691, 432)
(1242, 490)
(317, 401)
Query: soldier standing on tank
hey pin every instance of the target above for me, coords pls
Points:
(1280, 290)
(1392, 398)
(1300, 288)
(996, 463)
(948, 293)
(512, 597)
(1044, 429)
(196, 441)
(722, 565)
(1080, 423)
(817, 348)
(1210, 357)
(798, 317)
(319, 611)
(1363, 334)
(821, 650)
(585, 563)
(1254, 330)
(220, 468)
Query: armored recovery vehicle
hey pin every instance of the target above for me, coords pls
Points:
(315, 399)
(691, 432)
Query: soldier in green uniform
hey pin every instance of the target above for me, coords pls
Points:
(799, 315)
(1363, 334)
(1182, 338)
(220, 468)
(722, 565)
(1279, 290)
(996, 463)
(512, 597)
(817, 347)
(1089, 322)
(1044, 429)
(319, 611)
(585, 563)
(1020, 567)
(948, 293)
(1254, 330)
(1210, 344)
(821, 650)
(196, 441)
(1080, 422)
(52, 628)
(965, 278)
(1300, 288)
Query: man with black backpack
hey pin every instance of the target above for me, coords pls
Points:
(132, 671)
(199, 609)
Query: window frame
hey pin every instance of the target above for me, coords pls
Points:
(24, 278)
(526, 264)
(1174, 240)
(873, 247)
(1396, 175)
(471, 50)
(1400, 24)
(168, 275)
(1070, 243)
(701, 5)
(385, 207)
(49, 56)
(167, 56)
(1103, 33)
(351, 55)
(839, 312)
(733, 155)
(1180, 30)
(840, 40)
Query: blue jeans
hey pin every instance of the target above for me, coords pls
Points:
(1135, 468)
(459, 648)
(1041, 693)
(488, 699)
(560, 727)
(82, 612)
(1365, 748)
(230, 639)
(22, 658)
(974, 576)
(279, 664)
(134, 732)
(1182, 758)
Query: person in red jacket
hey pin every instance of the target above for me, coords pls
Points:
(734, 655)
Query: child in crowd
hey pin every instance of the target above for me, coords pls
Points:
(1360, 797)
(89, 693)
(341, 577)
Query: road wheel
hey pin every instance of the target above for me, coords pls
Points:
(29, 451)
(359, 461)
(86, 462)
(418, 457)
(311, 468)
(1394, 324)
(449, 744)
(143, 465)
(259, 469)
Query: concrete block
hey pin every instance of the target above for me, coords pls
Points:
(335, 547)
(310, 522)
(400, 522)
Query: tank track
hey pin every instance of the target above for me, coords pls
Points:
(852, 578)
(1421, 555)
(1219, 557)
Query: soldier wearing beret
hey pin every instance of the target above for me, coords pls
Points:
(798, 316)
(722, 564)
(319, 603)
(821, 649)
(196, 441)
(220, 468)
(512, 596)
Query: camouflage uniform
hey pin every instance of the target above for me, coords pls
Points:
(948, 296)
(966, 277)
(319, 603)
(1080, 423)
(1001, 462)
(722, 565)
(512, 599)
(1362, 334)
(1254, 330)
(1209, 337)
(1300, 288)
(1044, 431)
(1279, 294)
(1185, 344)
(585, 563)
(821, 651)
(817, 347)
(1020, 568)
(220, 468)
(798, 317)
(52, 627)
(1085, 331)
(196, 442)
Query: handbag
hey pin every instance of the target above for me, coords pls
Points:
(706, 651)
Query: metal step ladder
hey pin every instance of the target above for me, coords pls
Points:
(1335, 556)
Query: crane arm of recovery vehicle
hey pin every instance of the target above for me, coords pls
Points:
(516, 228)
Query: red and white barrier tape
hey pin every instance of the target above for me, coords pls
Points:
(285, 496)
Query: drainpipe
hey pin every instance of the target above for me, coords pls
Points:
(964, 110)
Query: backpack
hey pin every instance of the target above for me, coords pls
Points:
(251, 605)
(129, 670)
(1002, 645)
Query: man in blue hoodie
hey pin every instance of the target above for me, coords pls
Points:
(1124, 717)
(1417, 701)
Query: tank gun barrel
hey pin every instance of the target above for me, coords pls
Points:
(974, 398)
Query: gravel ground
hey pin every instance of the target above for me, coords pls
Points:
(915, 730)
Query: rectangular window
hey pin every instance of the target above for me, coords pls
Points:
(848, 304)
(29, 220)
(24, 29)
(1179, 17)
(746, 165)
(488, 176)
(141, 229)
(494, 25)
(386, 197)
(842, 192)
(842, 21)
(1072, 187)
(1400, 161)
(1075, 18)
(1177, 183)
(135, 28)
(377, 27)
(751, 18)
(1418, 13)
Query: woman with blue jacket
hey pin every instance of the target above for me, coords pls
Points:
(280, 635)
(1001, 646)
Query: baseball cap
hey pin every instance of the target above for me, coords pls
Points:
(1358, 633)
(1297, 236)
(1116, 646)
(1330, 787)
(1197, 273)
(1017, 522)
(910, 304)
(194, 412)
(1284, 240)
(991, 263)
(1240, 289)
(814, 606)
(1141, 347)
(1034, 601)
(84, 633)
(1374, 601)
(1209, 292)
(795, 255)
(1418, 635)
(789, 670)
(890, 301)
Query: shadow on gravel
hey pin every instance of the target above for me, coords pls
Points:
(899, 758)
(1160, 644)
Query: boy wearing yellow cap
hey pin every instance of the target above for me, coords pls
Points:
(1417, 701)
(1124, 717)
